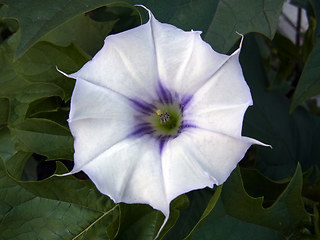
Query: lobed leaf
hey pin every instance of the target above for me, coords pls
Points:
(221, 18)
(44, 137)
(39, 65)
(248, 218)
(32, 217)
(242, 16)
(36, 18)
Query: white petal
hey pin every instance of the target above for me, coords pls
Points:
(182, 172)
(219, 105)
(184, 60)
(149, 53)
(129, 68)
(131, 172)
(125, 64)
(99, 118)
(200, 158)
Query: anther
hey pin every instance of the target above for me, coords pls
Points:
(163, 117)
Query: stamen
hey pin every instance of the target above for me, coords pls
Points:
(163, 117)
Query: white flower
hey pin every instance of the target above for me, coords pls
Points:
(158, 113)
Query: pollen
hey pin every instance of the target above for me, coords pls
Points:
(163, 117)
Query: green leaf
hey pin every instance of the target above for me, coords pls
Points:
(7, 28)
(283, 62)
(97, 24)
(29, 216)
(309, 82)
(124, 15)
(34, 76)
(7, 149)
(248, 218)
(77, 31)
(222, 20)
(40, 62)
(4, 111)
(257, 185)
(242, 16)
(14, 160)
(140, 221)
(36, 18)
(43, 105)
(200, 203)
(207, 211)
(44, 137)
(285, 215)
(294, 137)
(18, 90)
(316, 13)
(51, 108)
(69, 189)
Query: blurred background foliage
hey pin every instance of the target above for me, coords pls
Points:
(273, 194)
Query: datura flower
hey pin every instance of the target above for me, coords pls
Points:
(157, 113)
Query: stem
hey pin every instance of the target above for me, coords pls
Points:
(298, 27)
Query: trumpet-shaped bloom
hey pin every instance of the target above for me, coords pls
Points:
(157, 113)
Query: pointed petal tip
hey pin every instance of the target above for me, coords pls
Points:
(65, 74)
(237, 52)
(242, 37)
(73, 171)
(62, 175)
(262, 144)
(149, 12)
(254, 141)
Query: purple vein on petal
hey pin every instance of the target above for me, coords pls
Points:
(164, 94)
(142, 129)
(143, 107)
(185, 101)
(162, 142)
(186, 124)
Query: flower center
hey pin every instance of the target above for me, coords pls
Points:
(166, 120)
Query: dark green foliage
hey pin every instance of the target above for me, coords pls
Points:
(275, 197)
